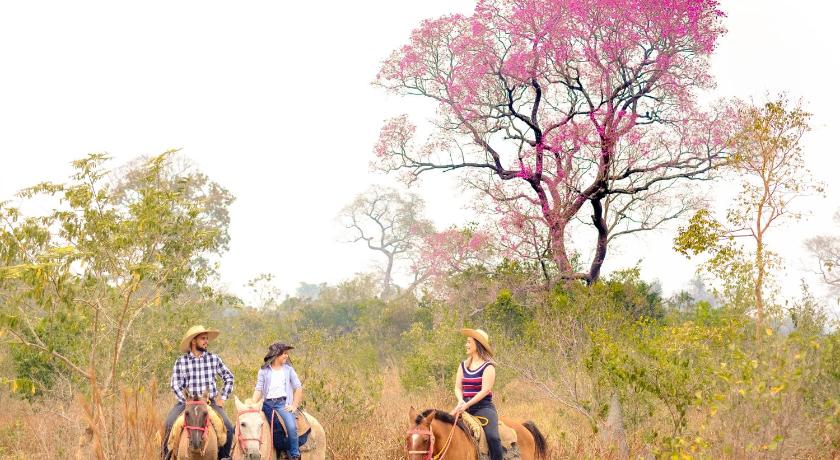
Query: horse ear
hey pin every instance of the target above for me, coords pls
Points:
(204, 394)
(187, 394)
(239, 405)
(429, 418)
(258, 403)
(412, 414)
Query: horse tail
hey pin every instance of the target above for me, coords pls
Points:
(539, 440)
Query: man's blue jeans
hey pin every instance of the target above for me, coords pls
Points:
(291, 443)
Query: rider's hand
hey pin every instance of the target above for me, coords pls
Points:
(458, 409)
(291, 408)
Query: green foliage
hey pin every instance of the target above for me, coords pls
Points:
(702, 234)
(432, 357)
(38, 368)
(506, 316)
(350, 386)
(671, 363)
(115, 246)
(638, 297)
(727, 261)
(807, 314)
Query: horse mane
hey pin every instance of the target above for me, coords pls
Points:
(443, 417)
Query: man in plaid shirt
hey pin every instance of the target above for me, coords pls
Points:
(196, 371)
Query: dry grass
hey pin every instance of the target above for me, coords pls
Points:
(56, 429)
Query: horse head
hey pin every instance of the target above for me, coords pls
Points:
(196, 419)
(420, 439)
(250, 419)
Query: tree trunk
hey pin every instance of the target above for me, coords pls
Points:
(557, 232)
(612, 430)
(386, 288)
(546, 275)
(601, 245)
(759, 283)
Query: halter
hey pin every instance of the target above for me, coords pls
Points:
(429, 454)
(203, 429)
(241, 439)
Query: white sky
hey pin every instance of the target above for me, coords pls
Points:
(273, 101)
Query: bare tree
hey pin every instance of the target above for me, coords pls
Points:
(826, 248)
(388, 222)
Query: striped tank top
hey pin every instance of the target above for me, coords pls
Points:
(471, 383)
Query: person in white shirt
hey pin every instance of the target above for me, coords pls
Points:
(279, 384)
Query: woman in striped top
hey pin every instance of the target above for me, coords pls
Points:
(474, 387)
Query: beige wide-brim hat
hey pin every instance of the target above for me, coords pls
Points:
(480, 336)
(194, 331)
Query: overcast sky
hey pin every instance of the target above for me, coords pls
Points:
(273, 100)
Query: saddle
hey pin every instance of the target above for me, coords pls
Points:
(178, 428)
(506, 433)
(304, 428)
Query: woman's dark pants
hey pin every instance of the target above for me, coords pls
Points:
(487, 410)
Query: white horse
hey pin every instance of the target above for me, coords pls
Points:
(252, 440)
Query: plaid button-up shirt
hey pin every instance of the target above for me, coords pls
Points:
(199, 374)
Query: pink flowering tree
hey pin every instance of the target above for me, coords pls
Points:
(447, 252)
(556, 104)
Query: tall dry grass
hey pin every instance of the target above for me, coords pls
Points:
(56, 429)
(59, 429)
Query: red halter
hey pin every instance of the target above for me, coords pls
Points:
(427, 454)
(241, 439)
(203, 429)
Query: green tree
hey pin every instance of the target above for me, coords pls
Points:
(768, 156)
(769, 163)
(109, 251)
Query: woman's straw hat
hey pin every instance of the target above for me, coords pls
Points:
(480, 336)
(194, 331)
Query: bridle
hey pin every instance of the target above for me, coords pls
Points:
(241, 439)
(429, 454)
(203, 429)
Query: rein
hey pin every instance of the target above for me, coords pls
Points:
(429, 454)
(241, 439)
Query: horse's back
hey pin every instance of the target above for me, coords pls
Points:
(524, 438)
(319, 436)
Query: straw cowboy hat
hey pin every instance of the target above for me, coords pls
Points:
(194, 331)
(479, 336)
(276, 349)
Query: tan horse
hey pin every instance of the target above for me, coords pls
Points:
(253, 435)
(435, 434)
(198, 438)
(252, 440)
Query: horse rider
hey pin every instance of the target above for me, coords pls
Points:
(196, 370)
(474, 387)
(278, 382)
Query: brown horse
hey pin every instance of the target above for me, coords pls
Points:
(437, 435)
(200, 442)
